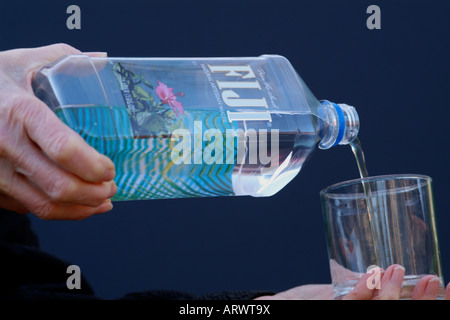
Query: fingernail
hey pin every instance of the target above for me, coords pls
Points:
(107, 162)
(108, 207)
(398, 274)
(113, 190)
(432, 288)
(108, 167)
(96, 54)
(109, 175)
(105, 207)
(432, 280)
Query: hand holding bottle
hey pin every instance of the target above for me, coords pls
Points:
(45, 167)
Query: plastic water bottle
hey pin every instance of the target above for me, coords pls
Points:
(195, 127)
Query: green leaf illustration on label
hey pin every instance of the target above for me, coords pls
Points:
(154, 123)
(148, 117)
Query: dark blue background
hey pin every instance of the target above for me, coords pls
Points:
(398, 78)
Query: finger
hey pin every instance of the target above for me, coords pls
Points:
(61, 144)
(447, 292)
(8, 203)
(31, 59)
(45, 54)
(362, 290)
(44, 208)
(36, 58)
(426, 288)
(391, 283)
(58, 184)
(432, 289)
(62, 211)
(78, 65)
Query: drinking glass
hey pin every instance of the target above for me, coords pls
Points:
(379, 221)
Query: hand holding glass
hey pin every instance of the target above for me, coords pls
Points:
(381, 221)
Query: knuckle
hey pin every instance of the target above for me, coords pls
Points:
(15, 111)
(44, 210)
(17, 102)
(61, 148)
(60, 189)
(9, 121)
(23, 161)
(48, 210)
(6, 180)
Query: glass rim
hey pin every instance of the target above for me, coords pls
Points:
(351, 182)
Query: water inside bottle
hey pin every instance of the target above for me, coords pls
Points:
(144, 164)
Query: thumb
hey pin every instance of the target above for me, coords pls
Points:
(22, 63)
(35, 58)
(31, 59)
(43, 55)
(47, 54)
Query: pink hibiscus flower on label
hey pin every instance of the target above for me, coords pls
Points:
(168, 97)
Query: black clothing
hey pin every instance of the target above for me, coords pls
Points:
(29, 273)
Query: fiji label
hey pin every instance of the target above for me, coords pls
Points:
(155, 108)
(240, 77)
(221, 116)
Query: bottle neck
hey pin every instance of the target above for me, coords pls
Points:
(339, 124)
